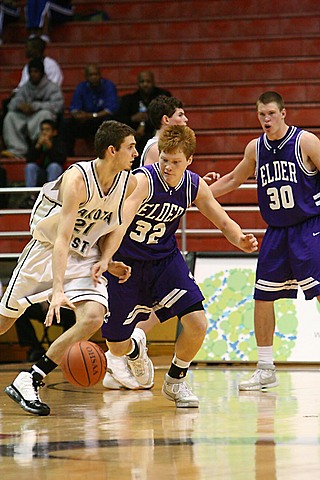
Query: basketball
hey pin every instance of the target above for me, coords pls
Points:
(84, 364)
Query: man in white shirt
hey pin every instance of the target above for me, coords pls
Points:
(35, 48)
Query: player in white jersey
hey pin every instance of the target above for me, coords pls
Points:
(70, 221)
(286, 161)
(162, 112)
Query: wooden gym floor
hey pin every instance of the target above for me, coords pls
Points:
(139, 435)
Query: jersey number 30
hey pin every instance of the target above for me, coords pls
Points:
(282, 197)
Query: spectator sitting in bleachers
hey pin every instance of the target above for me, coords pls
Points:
(45, 159)
(35, 48)
(94, 101)
(36, 100)
(133, 109)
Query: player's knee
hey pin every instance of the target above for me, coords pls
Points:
(93, 321)
(195, 323)
(200, 326)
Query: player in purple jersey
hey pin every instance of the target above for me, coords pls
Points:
(287, 163)
(161, 280)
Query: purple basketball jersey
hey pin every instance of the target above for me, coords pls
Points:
(151, 235)
(288, 193)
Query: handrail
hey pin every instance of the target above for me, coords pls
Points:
(183, 231)
(227, 208)
(19, 189)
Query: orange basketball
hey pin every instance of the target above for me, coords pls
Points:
(84, 364)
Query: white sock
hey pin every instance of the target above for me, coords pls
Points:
(265, 355)
(180, 363)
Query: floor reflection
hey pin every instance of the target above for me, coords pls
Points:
(96, 433)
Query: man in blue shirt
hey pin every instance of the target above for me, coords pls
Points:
(94, 101)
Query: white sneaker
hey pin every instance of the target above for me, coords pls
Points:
(24, 391)
(263, 377)
(177, 390)
(110, 382)
(142, 368)
(119, 370)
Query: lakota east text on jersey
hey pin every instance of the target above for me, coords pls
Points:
(151, 235)
(288, 192)
(97, 216)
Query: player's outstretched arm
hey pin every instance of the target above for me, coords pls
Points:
(212, 210)
(232, 180)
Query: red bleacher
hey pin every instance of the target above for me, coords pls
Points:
(217, 56)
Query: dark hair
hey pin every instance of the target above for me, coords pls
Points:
(162, 105)
(268, 97)
(37, 43)
(109, 133)
(48, 121)
(177, 137)
(37, 64)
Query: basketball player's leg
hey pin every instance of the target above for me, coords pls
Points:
(25, 388)
(128, 362)
(264, 327)
(192, 335)
(148, 325)
(118, 373)
(274, 280)
(89, 318)
(188, 343)
(181, 297)
(264, 322)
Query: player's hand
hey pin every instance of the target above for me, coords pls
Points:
(58, 300)
(248, 243)
(120, 270)
(211, 177)
(97, 270)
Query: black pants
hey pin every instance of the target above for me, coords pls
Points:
(3, 183)
(26, 334)
(71, 129)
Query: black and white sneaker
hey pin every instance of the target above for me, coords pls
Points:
(24, 391)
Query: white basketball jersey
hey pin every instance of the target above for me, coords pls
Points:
(97, 216)
(146, 149)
